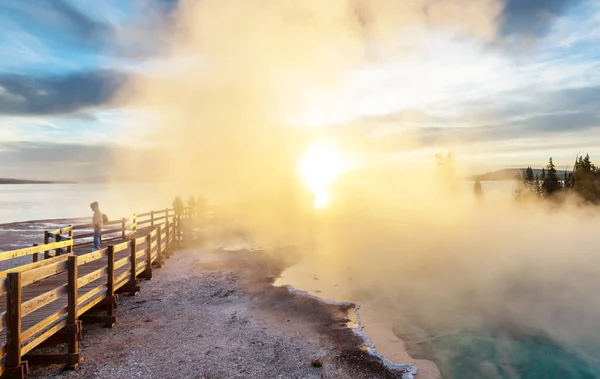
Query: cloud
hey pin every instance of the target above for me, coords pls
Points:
(24, 95)
(533, 17)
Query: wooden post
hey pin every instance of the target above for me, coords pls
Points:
(131, 288)
(15, 367)
(36, 256)
(123, 228)
(57, 238)
(133, 263)
(46, 241)
(110, 289)
(70, 248)
(147, 274)
(72, 309)
(168, 242)
(151, 219)
(167, 214)
(159, 258)
(134, 223)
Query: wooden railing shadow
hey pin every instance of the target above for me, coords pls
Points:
(43, 303)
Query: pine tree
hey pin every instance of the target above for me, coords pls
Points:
(587, 180)
(550, 183)
(529, 177)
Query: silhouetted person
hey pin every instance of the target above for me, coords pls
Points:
(97, 222)
(478, 189)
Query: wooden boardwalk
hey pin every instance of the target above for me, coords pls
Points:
(45, 302)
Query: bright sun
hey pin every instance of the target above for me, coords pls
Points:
(320, 166)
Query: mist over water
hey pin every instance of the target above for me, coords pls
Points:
(486, 289)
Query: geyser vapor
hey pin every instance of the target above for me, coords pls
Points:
(239, 78)
(228, 102)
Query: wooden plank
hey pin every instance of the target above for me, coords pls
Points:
(31, 266)
(140, 254)
(120, 247)
(64, 230)
(2, 286)
(92, 276)
(13, 322)
(99, 295)
(142, 264)
(2, 320)
(139, 271)
(153, 233)
(91, 257)
(42, 300)
(140, 240)
(90, 294)
(121, 283)
(42, 337)
(57, 316)
(124, 275)
(91, 304)
(121, 262)
(34, 249)
(44, 272)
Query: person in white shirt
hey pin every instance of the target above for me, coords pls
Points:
(97, 220)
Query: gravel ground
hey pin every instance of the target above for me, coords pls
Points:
(217, 315)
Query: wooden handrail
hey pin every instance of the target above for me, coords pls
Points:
(34, 250)
(71, 276)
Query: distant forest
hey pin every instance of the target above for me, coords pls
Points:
(583, 181)
(548, 183)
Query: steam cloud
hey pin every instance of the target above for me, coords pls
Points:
(238, 77)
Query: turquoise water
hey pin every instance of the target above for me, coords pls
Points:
(496, 355)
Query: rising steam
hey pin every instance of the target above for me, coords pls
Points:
(241, 96)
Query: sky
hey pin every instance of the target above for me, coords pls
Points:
(531, 92)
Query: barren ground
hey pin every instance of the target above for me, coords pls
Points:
(217, 315)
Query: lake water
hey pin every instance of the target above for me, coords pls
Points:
(22, 202)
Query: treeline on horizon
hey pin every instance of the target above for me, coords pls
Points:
(583, 181)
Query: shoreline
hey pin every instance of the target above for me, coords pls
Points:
(218, 315)
(358, 328)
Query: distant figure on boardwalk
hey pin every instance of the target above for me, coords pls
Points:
(97, 223)
(478, 189)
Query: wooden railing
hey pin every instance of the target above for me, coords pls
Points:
(47, 300)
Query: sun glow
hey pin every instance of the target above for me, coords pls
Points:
(321, 165)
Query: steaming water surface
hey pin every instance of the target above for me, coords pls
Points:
(458, 353)
(543, 327)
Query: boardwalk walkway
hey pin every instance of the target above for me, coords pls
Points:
(45, 302)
